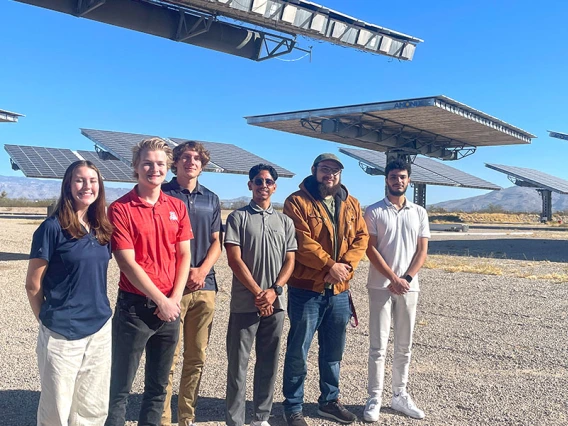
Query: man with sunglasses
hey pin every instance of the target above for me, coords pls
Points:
(260, 243)
(332, 239)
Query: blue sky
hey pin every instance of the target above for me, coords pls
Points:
(506, 58)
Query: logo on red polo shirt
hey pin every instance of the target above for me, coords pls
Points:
(173, 216)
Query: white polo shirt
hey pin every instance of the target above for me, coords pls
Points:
(397, 234)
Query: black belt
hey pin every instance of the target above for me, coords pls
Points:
(136, 298)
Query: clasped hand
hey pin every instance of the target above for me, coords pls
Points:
(264, 302)
(338, 272)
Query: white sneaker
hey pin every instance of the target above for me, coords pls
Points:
(372, 410)
(404, 403)
(260, 423)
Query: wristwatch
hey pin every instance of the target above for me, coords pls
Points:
(277, 289)
(408, 278)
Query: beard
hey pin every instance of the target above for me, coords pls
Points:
(396, 192)
(325, 191)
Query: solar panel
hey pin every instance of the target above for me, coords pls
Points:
(118, 144)
(9, 117)
(225, 158)
(424, 170)
(465, 180)
(531, 177)
(197, 22)
(233, 159)
(112, 170)
(558, 135)
(437, 127)
(41, 162)
(378, 160)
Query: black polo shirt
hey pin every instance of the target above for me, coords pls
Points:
(205, 217)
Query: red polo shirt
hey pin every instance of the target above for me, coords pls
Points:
(152, 231)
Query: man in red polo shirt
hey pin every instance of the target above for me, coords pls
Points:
(151, 245)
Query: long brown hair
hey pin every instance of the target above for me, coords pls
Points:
(96, 214)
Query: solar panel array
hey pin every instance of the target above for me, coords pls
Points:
(39, 162)
(464, 179)
(437, 126)
(225, 158)
(112, 170)
(424, 170)
(536, 178)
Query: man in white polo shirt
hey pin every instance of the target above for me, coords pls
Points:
(398, 244)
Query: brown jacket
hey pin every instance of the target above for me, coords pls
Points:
(315, 235)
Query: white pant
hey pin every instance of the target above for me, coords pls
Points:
(75, 378)
(384, 305)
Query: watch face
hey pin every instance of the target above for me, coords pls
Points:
(277, 289)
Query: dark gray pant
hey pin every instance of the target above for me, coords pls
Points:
(243, 328)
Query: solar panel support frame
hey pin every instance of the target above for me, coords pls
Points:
(527, 178)
(86, 6)
(178, 21)
(425, 143)
(14, 165)
(546, 195)
(420, 194)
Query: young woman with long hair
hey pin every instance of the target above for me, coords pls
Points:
(66, 286)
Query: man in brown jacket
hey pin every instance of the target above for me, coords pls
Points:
(332, 238)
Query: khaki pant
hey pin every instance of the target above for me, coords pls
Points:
(75, 377)
(197, 309)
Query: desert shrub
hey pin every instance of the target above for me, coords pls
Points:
(24, 202)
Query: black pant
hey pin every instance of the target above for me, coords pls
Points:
(135, 328)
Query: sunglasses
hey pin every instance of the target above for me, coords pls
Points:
(262, 182)
(329, 171)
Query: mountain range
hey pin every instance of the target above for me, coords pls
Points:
(512, 199)
(40, 189)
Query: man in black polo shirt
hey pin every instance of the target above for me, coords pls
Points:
(198, 302)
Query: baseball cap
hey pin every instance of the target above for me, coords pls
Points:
(327, 156)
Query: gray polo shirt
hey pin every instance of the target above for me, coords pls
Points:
(397, 234)
(264, 236)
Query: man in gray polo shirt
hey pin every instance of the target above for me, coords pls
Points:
(398, 245)
(260, 243)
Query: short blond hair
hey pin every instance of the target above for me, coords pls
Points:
(150, 144)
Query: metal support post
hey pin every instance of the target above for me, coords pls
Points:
(393, 154)
(420, 194)
(546, 214)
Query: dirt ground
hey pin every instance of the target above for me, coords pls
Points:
(488, 349)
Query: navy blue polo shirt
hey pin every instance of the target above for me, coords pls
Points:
(76, 304)
(205, 217)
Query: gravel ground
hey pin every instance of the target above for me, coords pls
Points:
(488, 349)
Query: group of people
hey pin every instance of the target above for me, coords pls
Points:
(166, 239)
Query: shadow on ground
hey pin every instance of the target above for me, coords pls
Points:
(19, 407)
(511, 248)
(13, 256)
